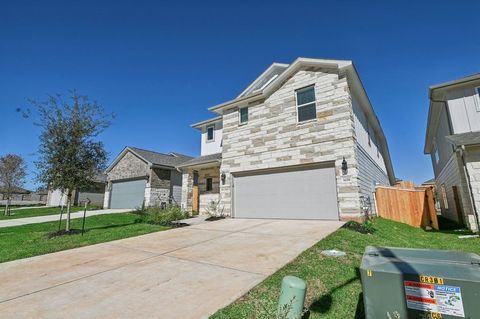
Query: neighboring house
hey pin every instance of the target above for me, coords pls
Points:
(302, 141)
(453, 141)
(139, 177)
(24, 197)
(95, 193)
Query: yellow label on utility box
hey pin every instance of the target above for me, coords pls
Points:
(431, 280)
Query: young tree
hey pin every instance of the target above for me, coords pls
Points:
(69, 154)
(12, 175)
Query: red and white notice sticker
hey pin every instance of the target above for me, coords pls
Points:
(442, 299)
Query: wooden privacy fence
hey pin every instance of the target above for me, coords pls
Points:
(415, 207)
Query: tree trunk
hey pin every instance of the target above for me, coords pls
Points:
(69, 202)
(7, 207)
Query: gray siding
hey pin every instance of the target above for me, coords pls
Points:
(96, 199)
(449, 177)
(366, 137)
(369, 175)
(176, 187)
(464, 107)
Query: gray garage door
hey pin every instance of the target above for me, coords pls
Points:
(295, 194)
(128, 194)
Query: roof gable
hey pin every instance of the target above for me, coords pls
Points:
(152, 158)
(265, 79)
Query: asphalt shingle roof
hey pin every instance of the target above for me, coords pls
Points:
(202, 160)
(172, 159)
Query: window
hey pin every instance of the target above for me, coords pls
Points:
(209, 184)
(477, 90)
(306, 107)
(435, 153)
(210, 133)
(243, 114)
(368, 133)
(444, 196)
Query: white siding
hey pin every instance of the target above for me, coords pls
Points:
(215, 146)
(176, 187)
(464, 107)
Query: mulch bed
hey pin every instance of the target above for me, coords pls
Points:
(63, 232)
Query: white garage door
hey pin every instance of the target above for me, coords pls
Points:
(128, 194)
(294, 194)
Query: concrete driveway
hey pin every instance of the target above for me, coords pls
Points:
(181, 273)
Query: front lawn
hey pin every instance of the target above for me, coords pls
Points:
(34, 212)
(31, 240)
(334, 288)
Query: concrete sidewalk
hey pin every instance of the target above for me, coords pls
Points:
(50, 218)
(188, 272)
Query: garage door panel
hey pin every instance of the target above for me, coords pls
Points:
(128, 194)
(300, 194)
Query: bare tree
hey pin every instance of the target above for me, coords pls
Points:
(12, 176)
(70, 154)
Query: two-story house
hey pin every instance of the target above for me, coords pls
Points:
(302, 141)
(453, 141)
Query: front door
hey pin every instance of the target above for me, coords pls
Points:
(195, 193)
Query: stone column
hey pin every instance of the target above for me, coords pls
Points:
(187, 190)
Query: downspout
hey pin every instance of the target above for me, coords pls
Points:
(461, 150)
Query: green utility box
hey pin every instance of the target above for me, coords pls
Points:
(400, 283)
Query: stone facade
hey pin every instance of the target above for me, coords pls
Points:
(158, 187)
(187, 189)
(205, 197)
(129, 166)
(273, 138)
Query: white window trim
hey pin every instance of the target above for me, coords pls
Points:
(305, 104)
(240, 116)
(213, 134)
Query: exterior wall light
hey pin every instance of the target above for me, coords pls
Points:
(344, 167)
(223, 177)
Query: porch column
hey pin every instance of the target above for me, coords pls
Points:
(187, 190)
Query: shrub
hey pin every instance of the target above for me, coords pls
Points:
(168, 216)
(363, 228)
(215, 211)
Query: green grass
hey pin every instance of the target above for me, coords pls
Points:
(31, 240)
(333, 283)
(34, 212)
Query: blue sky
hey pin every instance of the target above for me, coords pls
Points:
(160, 65)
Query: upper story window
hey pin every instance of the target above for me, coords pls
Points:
(435, 153)
(210, 133)
(306, 107)
(368, 134)
(243, 115)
